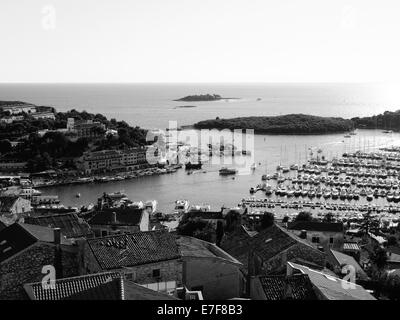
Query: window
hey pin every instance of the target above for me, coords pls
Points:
(156, 273)
(315, 239)
(331, 240)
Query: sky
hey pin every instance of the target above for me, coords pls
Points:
(199, 41)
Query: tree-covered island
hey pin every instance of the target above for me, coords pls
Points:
(285, 124)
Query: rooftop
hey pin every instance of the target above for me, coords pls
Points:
(124, 216)
(132, 249)
(18, 237)
(6, 203)
(70, 224)
(316, 226)
(295, 287)
(344, 259)
(333, 288)
(193, 247)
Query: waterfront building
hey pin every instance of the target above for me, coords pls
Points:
(325, 234)
(114, 160)
(25, 249)
(13, 208)
(10, 165)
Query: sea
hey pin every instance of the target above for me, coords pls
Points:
(152, 106)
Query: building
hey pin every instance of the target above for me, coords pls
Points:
(44, 115)
(328, 287)
(282, 287)
(13, 208)
(209, 269)
(86, 128)
(110, 221)
(11, 119)
(268, 251)
(19, 108)
(339, 261)
(114, 160)
(149, 258)
(24, 251)
(71, 226)
(9, 165)
(99, 286)
(324, 234)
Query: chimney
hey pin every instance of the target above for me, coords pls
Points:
(57, 235)
(114, 217)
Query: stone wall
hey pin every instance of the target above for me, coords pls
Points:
(26, 267)
(219, 280)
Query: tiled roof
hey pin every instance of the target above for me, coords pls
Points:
(295, 287)
(99, 286)
(351, 246)
(205, 214)
(132, 249)
(67, 287)
(125, 216)
(70, 224)
(6, 202)
(316, 226)
(266, 244)
(333, 288)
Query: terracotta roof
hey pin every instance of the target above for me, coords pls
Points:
(132, 249)
(67, 287)
(351, 246)
(6, 203)
(266, 244)
(295, 287)
(333, 288)
(70, 224)
(125, 216)
(99, 286)
(316, 226)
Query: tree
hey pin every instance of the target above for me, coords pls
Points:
(267, 220)
(304, 216)
(5, 146)
(378, 257)
(196, 227)
(219, 232)
(328, 217)
(392, 241)
(285, 219)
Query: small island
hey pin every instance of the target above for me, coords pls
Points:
(285, 124)
(203, 97)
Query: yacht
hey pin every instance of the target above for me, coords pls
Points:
(181, 206)
(227, 171)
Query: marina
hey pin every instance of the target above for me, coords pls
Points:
(210, 187)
